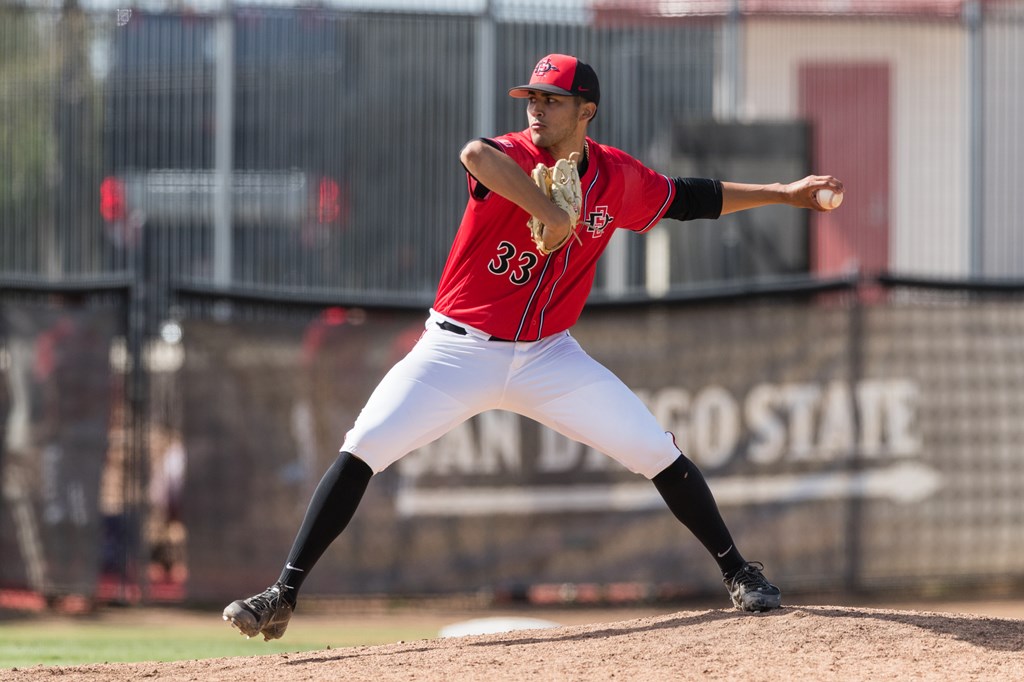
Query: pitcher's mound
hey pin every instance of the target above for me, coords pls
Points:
(796, 643)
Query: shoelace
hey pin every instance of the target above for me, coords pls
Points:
(750, 575)
(267, 599)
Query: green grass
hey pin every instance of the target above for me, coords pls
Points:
(132, 637)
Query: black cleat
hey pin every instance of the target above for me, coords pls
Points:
(750, 591)
(266, 613)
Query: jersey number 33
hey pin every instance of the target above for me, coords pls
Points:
(518, 266)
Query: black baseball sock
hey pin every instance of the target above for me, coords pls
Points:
(331, 508)
(687, 494)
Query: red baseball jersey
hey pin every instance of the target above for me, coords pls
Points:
(495, 279)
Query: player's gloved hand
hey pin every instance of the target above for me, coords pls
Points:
(561, 184)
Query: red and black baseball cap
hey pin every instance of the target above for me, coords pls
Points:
(561, 74)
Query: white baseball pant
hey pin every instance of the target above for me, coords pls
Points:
(447, 378)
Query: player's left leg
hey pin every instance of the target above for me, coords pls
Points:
(687, 494)
(570, 392)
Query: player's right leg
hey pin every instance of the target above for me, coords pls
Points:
(443, 381)
(332, 506)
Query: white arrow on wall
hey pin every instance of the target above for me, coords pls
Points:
(903, 483)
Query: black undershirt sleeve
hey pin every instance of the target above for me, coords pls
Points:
(478, 189)
(696, 198)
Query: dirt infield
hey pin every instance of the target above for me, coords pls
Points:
(799, 642)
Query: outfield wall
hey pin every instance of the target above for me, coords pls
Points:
(848, 446)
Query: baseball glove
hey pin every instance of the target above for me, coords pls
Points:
(561, 184)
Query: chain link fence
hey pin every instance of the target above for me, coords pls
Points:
(230, 170)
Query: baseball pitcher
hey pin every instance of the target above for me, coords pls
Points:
(542, 205)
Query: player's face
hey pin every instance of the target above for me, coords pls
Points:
(553, 119)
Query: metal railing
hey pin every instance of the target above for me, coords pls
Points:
(134, 139)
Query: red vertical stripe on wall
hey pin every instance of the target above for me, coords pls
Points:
(848, 106)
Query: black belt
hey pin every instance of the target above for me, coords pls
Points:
(456, 329)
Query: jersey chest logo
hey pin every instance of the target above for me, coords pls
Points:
(597, 220)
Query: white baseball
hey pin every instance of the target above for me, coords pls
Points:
(828, 199)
